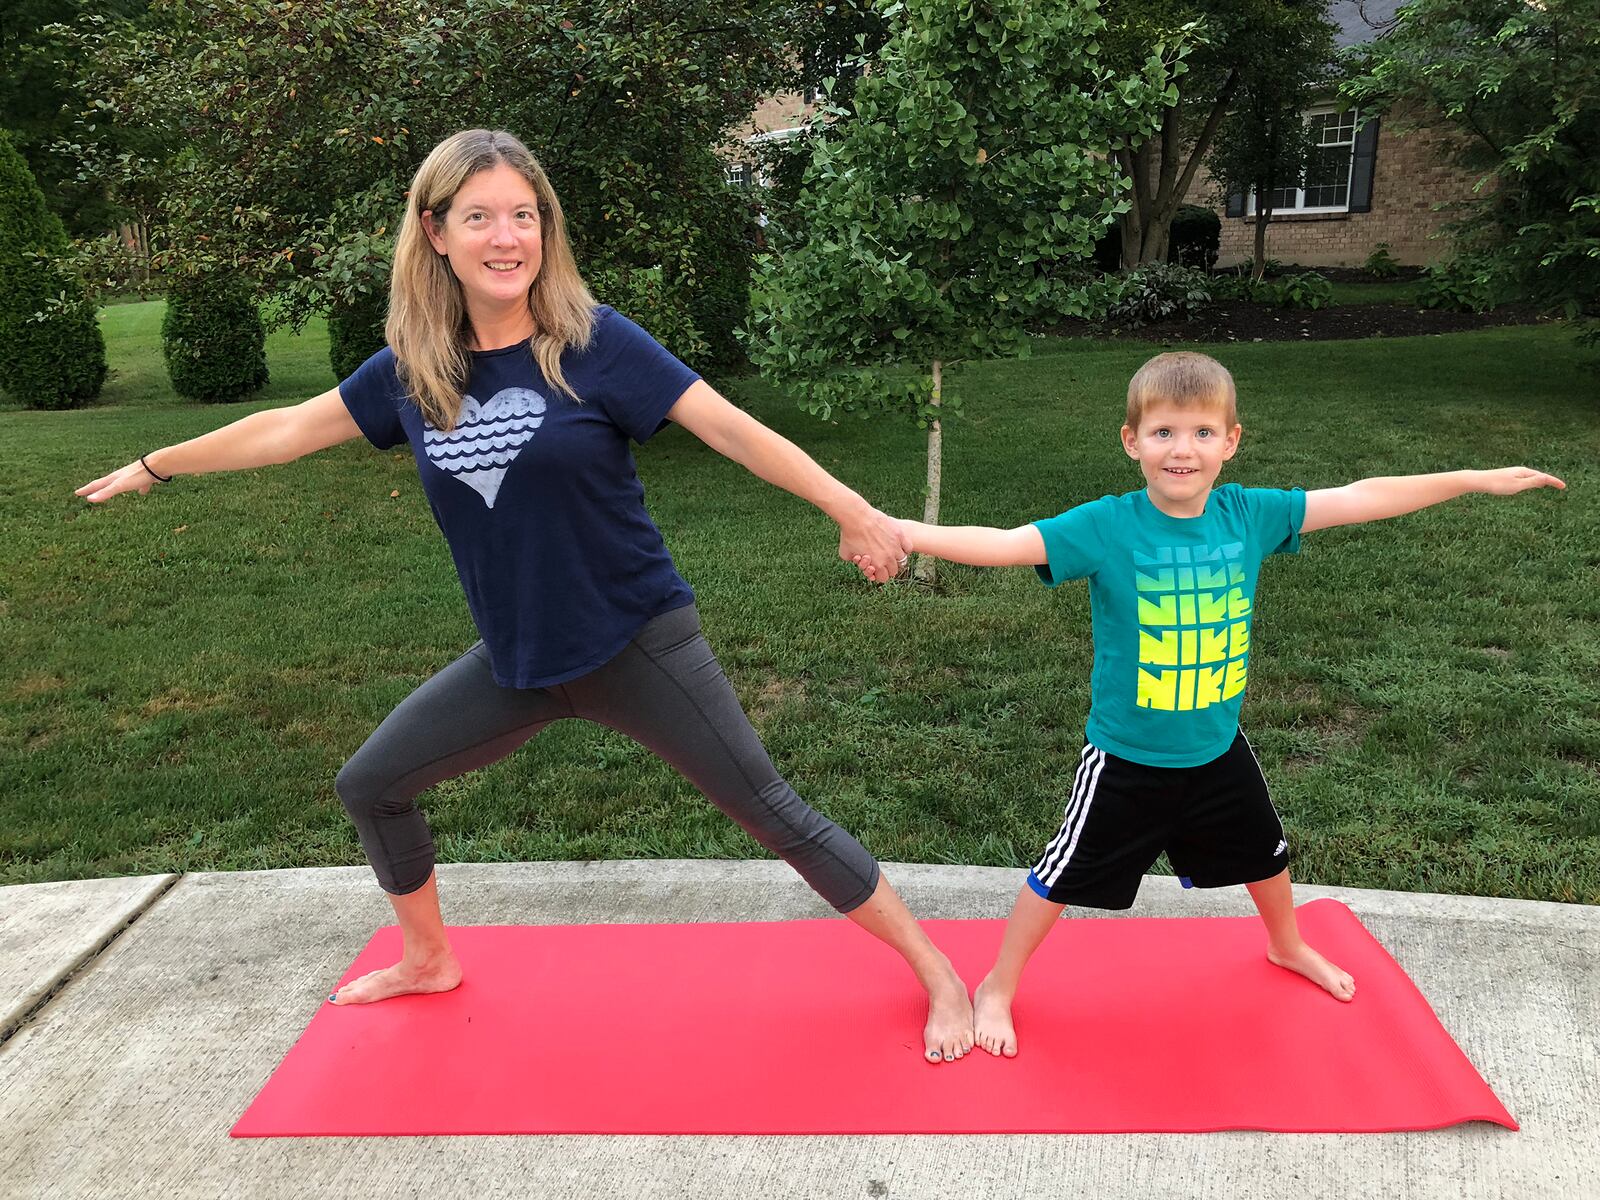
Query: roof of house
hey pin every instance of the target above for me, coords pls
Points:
(1361, 21)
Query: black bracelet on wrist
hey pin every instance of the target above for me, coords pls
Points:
(148, 467)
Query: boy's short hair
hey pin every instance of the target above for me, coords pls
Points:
(1183, 378)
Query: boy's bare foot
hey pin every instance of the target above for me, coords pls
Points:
(402, 979)
(991, 1021)
(1306, 961)
(948, 1034)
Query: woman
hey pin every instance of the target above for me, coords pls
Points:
(518, 396)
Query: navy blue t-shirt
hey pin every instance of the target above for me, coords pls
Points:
(538, 498)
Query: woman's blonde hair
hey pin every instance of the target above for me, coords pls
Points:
(428, 329)
(1186, 379)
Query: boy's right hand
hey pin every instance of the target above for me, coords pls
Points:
(1508, 481)
(902, 530)
(131, 478)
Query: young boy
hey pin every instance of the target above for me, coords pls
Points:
(1172, 578)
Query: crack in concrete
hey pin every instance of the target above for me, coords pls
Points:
(88, 959)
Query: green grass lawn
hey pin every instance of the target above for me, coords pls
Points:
(1398, 292)
(186, 672)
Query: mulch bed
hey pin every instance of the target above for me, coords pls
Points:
(1241, 321)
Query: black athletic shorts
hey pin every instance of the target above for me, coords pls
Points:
(1215, 821)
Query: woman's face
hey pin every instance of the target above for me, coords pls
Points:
(490, 233)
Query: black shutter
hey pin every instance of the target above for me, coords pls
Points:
(1366, 153)
(1236, 204)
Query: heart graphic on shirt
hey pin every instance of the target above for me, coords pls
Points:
(486, 439)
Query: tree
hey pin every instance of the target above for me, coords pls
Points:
(1517, 84)
(1264, 144)
(40, 100)
(300, 124)
(833, 41)
(1236, 41)
(976, 163)
(52, 354)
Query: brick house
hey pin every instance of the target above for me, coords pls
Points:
(1367, 183)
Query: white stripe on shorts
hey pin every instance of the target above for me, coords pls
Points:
(1066, 840)
(1074, 794)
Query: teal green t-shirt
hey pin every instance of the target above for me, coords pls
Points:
(1171, 600)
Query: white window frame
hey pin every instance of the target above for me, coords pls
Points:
(754, 175)
(1299, 206)
(775, 135)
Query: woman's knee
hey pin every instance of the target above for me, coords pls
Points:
(784, 823)
(364, 788)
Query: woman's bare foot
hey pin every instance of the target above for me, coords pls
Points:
(1306, 961)
(438, 974)
(991, 1020)
(948, 1034)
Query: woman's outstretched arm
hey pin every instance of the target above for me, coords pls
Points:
(866, 536)
(277, 435)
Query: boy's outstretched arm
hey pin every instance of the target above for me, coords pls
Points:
(1389, 496)
(977, 545)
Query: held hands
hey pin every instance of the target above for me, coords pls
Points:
(1508, 481)
(131, 478)
(876, 544)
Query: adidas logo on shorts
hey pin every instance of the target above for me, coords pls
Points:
(1282, 846)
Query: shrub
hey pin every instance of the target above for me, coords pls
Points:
(212, 339)
(1380, 264)
(1158, 292)
(1237, 285)
(1196, 237)
(1460, 285)
(355, 333)
(1304, 290)
(54, 354)
(1273, 267)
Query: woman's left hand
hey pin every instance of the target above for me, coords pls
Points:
(874, 542)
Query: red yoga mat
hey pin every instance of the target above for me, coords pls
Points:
(1131, 1025)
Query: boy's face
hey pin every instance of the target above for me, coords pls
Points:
(1181, 452)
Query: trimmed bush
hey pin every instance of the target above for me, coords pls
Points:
(1196, 238)
(52, 354)
(212, 339)
(355, 333)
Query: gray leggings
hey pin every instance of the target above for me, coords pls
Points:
(665, 689)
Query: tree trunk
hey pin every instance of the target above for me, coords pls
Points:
(1264, 190)
(1131, 223)
(926, 569)
(1147, 225)
(134, 237)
